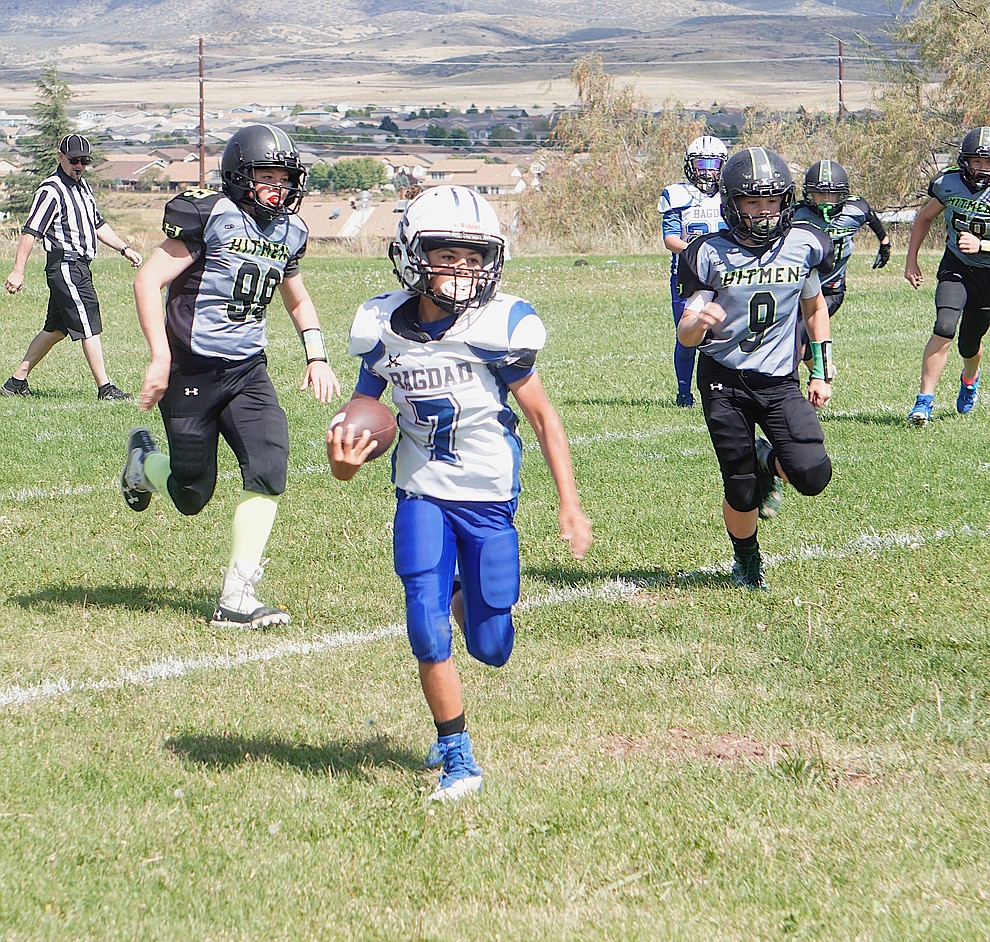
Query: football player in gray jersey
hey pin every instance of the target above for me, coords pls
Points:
(224, 257)
(746, 288)
(962, 193)
(828, 203)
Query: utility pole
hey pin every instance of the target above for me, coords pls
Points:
(842, 103)
(202, 121)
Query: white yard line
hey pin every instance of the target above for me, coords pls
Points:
(169, 668)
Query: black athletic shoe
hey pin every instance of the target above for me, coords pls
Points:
(747, 570)
(134, 486)
(110, 393)
(15, 387)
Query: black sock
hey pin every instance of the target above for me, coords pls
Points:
(745, 544)
(450, 727)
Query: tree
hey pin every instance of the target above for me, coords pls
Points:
(436, 134)
(50, 124)
(931, 89)
(318, 177)
(608, 163)
(502, 134)
(458, 137)
(388, 125)
(356, 173)
(951, 39)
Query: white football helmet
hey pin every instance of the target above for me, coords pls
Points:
(703, 163)
(453, 216)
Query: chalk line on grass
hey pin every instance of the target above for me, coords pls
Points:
(611, 590)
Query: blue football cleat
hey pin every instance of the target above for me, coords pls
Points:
(967, 395)
(921, 411)
(461, 775)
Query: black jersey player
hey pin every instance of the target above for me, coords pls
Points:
(225, 256)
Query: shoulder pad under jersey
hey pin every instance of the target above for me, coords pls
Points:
(506, 324)
(186, 214)
(371, 319)
(675, 197)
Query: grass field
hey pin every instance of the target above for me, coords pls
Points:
(666, 756)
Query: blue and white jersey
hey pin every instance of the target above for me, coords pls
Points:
(216, 308)
(841, 228)
(457, 432)
(966, 210)
(687, 213)
(760, 289)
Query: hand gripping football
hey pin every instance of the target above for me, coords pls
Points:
(365, 413)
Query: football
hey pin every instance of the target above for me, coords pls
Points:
(373, 415)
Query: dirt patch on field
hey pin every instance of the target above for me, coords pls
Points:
(793, 759)
(723, 748)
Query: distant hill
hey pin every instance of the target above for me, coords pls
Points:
(462, 43)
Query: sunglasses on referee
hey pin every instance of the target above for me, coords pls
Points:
(76, 161)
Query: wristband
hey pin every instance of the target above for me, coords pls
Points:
(821, 360)
(316, 349)
(985, 245)
(124, 249)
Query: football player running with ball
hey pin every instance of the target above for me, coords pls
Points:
(688, 210)
(453, 348)
(224, 257)
(962, 193)
(746, 287)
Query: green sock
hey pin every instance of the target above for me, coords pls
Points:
(253, 520)
(156, 470)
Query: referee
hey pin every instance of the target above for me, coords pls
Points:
(64, 216)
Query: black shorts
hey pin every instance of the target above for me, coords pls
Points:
(238, 402)
(966, 294)
(735, 402)
(73, 307)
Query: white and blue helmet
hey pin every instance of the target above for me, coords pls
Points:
(453, 216)
(703, 163)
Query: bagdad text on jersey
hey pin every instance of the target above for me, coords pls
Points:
(432, 377)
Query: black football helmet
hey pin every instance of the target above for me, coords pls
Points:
(826, 178)
(255, 146)
(975, 144)
(756, 172)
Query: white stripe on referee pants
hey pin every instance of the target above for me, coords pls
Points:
(80, 306)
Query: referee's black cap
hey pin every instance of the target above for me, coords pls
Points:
(74, 145)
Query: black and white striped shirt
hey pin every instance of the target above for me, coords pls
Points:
(64, 216)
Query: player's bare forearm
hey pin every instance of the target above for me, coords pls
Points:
(815, 313)
(575, 527)
(155, 383)
(919, 232)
